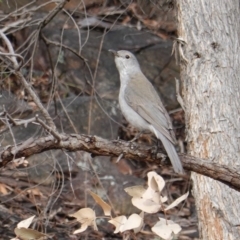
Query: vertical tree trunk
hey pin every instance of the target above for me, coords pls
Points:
(211, 92)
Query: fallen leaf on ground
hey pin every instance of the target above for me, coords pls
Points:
(166, 229)
(87, 217)
(28, 234)
(135, 191)
(134, 222)
(119, 223)
(106, 208)
(177, 201)
(25, 223)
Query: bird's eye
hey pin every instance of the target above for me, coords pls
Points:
(127, 57)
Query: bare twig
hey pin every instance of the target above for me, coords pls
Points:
(49, 129)
(15, 24)
(48, 41)
(75, 24)
(36, 99)
(11, 55)
(10, 49)
(27, 86)
(11, 132)
(52, 14)
(179, 97)
(64, 108)
(17, 10)
(24, 122)
(177, 49)
(93, 84)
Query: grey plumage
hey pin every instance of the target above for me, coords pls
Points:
(141, 105)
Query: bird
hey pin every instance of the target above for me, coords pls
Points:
(141, 105)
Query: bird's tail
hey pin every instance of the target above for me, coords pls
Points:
(171, 151)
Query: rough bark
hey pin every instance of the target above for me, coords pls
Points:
(102, 147)
(211, 92)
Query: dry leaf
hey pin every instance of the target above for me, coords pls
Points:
(158, 183)
(155, 185)
(177, 201)
(25, 223)
(149, 200)
(152, 183)
(134, 221)
(138, 229)
(28, 234)
(163, 199)
(4, 189)
(87, 217)
(119, 223)
(146, 205)
(135, 191)
(35, 192)
(152, 194)
(106, 208)
(166, 229)
(84, 214)
(24, 233)
(83, 227)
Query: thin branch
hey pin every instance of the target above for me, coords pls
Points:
(93, 84)
(27, 86)
(25, 122)
(16, 24)
(10, 49)
(36, 100)
(49, 129)
(177, 49)
(48, 41)
(11, 55)
(14, 13)
(179, 97)
(52, 14)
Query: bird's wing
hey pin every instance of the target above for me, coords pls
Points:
(146, 102)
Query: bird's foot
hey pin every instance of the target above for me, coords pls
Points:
(138, 135)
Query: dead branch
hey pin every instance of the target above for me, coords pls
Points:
(52, 14)
(98, 146)
(48, 42)
(17, 66)
(35, 98)
(22, 79)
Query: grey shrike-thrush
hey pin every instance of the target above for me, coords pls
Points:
(141, 105)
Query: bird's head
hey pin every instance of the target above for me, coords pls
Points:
(125, 61)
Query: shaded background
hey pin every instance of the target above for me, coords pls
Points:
(75, 76)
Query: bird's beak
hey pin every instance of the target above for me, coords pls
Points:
(114, 52)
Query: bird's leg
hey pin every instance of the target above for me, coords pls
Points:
(137, 136)
(159, 144)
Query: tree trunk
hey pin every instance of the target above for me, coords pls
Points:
(211, 93)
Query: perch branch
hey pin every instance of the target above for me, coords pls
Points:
(101, 147)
